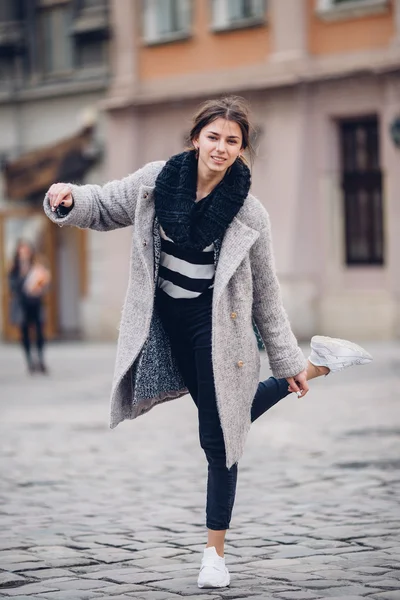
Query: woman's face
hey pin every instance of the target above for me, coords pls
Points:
(24, 252)
(219, 144)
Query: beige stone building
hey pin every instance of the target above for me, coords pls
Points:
(323, 79)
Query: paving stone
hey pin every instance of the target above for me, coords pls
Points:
(385, 583)
(299, 595)
(294, 551)
(185, 586)
(348, 597)
(158, 595)
(293, 577)
(80, 584)
(73, 595)
(59, 563)
(370, 570)
(122, 597)
(129, 577)
(30, 588)
(54, 552)
(30, 597)
(322, 584)
(98, 568)
(8, 579)
(23, 566)
(237, 594)
(349, 590)
(109, 555)
(121, 588)
(48, 573)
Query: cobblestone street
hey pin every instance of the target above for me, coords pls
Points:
(86, 512)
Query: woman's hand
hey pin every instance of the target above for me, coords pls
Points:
(60, 193)
(298, 384)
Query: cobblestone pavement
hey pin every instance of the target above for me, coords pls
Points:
(86, 512)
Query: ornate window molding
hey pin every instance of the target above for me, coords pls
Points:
(334, 10)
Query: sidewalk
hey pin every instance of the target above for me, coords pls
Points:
(86, 512)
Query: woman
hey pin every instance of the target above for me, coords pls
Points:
(201, 272)
(28, 281)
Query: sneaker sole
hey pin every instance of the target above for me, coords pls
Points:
(321, 341)
(208, 585)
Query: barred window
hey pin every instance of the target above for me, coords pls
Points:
(362, 191)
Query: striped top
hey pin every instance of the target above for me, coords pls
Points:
(185, 273)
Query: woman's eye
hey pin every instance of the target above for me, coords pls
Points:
(212, 137)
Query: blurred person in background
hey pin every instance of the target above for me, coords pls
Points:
(202, 270)
(29, 280)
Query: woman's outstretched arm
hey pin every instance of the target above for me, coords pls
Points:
(103, 208)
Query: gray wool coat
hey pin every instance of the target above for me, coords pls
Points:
(246, 289)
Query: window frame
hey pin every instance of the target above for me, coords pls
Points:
(328, 10)
(54, 74)
(221, 26)
(369, 180)
(150, 36)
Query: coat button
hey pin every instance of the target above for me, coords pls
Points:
(240, 364)
(144, 242)
(233, 315)
(146, 195)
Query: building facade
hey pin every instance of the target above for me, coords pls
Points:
(323, 80)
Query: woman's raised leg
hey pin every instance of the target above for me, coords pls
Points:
(270, 391)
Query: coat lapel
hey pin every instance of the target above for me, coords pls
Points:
(237, 242)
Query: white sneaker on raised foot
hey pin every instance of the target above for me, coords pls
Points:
(336, 354)
(213, 572)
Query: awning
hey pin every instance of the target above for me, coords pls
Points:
(34, 172)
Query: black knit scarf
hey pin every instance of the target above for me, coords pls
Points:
(193, 224)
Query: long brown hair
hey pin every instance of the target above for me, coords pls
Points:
(15, 266)
(231, 108)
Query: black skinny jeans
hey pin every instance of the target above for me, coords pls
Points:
(32, 318)
(188, 325)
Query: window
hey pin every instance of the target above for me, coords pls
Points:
(11, 30)
(54, 37)
(166, 20)
(9, 10)
(6, 74)
(90, 32)
(91, 54)
(92, 4)
(345, 9)
(362, 191)
(231, 14)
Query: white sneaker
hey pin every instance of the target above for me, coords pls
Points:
(213, 572)
(336, 354)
